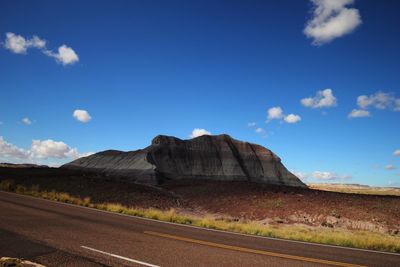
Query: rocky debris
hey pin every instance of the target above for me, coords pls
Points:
(362, 225)
(302, 217)
(332, 220)
(340, 222)
(14, 262)
(218, 157)
(279, 220)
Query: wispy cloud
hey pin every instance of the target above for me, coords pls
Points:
(302, 175)
(259, 130)
(390, 167)
(26, 121)
(20, 45)
(322, 176)
(394, 183)
(326, 176)
(359, 113)
(379, 100)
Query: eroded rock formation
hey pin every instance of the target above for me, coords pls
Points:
(217, 157)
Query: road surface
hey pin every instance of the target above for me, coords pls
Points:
(57, 234)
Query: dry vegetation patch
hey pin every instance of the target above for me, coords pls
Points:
(14, 262)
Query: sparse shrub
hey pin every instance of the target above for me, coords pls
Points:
(20, 189)
(86, 201)
(114, 207)
(7, 185)
(184, 220)
(171, 215)
(152, 214)
(63, 197)
(35, 188)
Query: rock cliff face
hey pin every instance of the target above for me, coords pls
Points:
(217, 157)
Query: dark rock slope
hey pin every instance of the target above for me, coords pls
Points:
(217, 157)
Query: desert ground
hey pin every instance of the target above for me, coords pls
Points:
(235, 201)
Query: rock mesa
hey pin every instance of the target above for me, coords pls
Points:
(211, 157)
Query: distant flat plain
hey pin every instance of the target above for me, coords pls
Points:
(357, 189)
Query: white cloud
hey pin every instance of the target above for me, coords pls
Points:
(82, 115)
(275, 113)
(52, 149)
(301, 175)
(8, 150)
(308, 102)
(397, 104)
(85, 154)
(394, 183)
(359, 113)
(199, 132)
(320, 175)
(379, 100)
(292, 118)
(19, 45)
(324, 175)
(260, 130)
(323, 99)
(39, 150)
(390, 167)
(15, 43)
(65, 55)
(331, 19)
(26, 121)
(397, 153)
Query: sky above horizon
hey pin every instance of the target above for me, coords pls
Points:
(317, 82)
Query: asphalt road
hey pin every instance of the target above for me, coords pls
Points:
(57, 234)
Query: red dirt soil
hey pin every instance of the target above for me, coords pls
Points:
(237, 200)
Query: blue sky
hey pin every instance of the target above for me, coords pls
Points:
(135, 69)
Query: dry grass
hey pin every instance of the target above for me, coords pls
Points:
(357, 239)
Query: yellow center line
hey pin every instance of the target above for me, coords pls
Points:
(254, 251)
